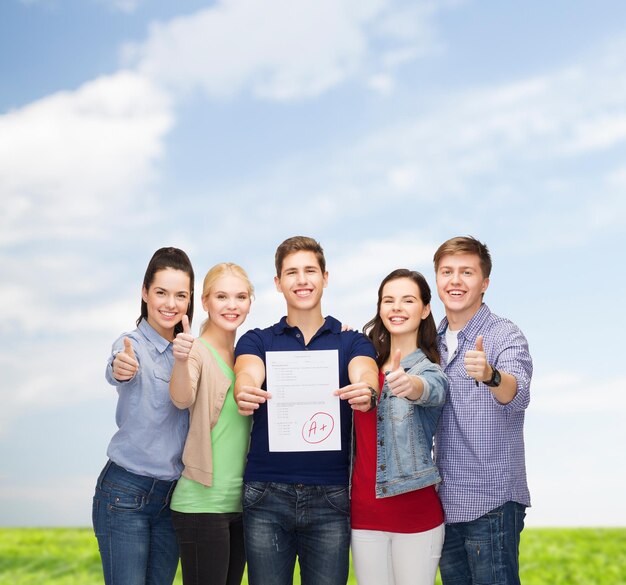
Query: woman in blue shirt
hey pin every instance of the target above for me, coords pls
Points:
(131, 514)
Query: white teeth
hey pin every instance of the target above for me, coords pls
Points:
(303, 293)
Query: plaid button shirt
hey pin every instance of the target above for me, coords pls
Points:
(479, 444)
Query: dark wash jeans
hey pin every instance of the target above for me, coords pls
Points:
(132, 522)
(484, 551)
(284, 521)
(211, 547)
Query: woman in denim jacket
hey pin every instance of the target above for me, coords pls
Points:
(397, 519)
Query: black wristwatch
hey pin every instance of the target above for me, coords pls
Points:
(373, 398)
(495, 379)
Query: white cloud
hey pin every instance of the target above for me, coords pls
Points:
(617, 178)
(571, 392)
(62, 501)
(558, 114)
(504, 150)
(73, 158)
(555, 495)
(355, 272)
(41, 376)
(279, 49)
(126, 6)
(599, 133)
(381, 83)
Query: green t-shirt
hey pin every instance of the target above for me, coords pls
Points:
(230, 438)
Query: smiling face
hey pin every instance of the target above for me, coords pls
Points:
(401, 307)
(301, 281)
(167, 300)
(227, 302)
(460, 285)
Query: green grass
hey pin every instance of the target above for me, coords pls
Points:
(549, 556)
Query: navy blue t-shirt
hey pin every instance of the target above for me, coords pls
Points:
(311, 467)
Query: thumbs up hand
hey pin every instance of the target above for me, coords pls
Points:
(398, 381)
(183, 342)
(125, 364)
(476, 364)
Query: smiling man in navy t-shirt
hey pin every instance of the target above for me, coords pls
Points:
(296, 503)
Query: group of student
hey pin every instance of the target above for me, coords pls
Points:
(190, 471)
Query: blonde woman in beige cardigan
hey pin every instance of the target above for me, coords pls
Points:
(206, 504)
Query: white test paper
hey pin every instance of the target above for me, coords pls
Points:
(303, 413)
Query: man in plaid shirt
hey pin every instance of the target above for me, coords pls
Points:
(479, 444)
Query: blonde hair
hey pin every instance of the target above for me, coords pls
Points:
(215, 273)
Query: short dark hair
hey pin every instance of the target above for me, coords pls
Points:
(298, 244)
(168, 258)
(465, 245)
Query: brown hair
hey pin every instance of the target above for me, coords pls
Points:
(465, 245)
(298, 244)
(427, 332)
(168, 258)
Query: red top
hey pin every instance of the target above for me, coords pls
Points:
(415, 511)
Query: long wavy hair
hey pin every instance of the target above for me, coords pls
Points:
(380, 337)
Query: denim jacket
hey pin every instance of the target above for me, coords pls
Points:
(405, 430)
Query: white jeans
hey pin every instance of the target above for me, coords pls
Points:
(392, 558)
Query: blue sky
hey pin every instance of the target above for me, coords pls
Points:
(379, 127)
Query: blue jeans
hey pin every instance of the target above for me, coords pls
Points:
(282, 521)
(132, 522)
(484, 551)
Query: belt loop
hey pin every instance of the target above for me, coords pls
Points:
(168, 498)
(103, 474)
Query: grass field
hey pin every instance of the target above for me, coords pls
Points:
(549, 556)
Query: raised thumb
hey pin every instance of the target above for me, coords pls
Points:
(128, 347)
(186, 327)
(395, 362)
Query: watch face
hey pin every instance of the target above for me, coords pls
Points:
(373, 398)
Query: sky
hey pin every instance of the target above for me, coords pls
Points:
(381, 128)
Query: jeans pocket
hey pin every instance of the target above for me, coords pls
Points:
(484, 547)
(338, 499)
(253, 492)
(122, 501)
(482, 560)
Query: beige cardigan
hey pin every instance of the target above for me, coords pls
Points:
(209, 388)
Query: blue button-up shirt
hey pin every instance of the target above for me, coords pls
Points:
(314, 467)
(152, 430)
(480, 442)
